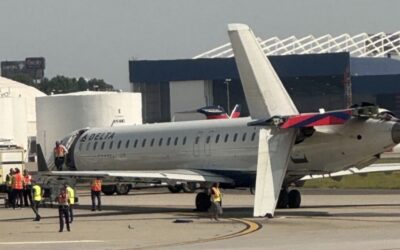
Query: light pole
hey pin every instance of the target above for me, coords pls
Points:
(227, 82)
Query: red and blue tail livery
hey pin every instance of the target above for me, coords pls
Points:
(317, 119)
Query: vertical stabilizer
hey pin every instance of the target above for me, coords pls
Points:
(265, 94)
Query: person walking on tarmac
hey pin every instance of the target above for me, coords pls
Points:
(216, 201)
(9, 188)
(17, 185)
(60, 151)
(96, 193)
(27, 189)
(63, 208)
(71, 195)
(37, 193)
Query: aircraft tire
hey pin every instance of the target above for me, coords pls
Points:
(294, 198)
(175, 188)
(203, 202)
(283, 199)
(122, 189)
(108, 189)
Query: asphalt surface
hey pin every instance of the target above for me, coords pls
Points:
(146, 219)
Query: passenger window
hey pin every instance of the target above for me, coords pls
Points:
(235, 137)
(197, 140)
(127, 143)
(217, 139)
(226, 138)
(135, 144)
(144, 143)
(111, 144)
(160, 142)
(152, 142)
(168, 141)
(87, 146)
(208, 139)
(244, 137)
(119, 144)
(176, 141)
(253, 136)
(184, 140)
(95, 145)
(102, 145)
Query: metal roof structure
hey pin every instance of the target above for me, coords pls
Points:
(361, 45)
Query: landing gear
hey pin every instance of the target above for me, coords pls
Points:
(290, 199)
(122, 189)
(294, 198)
(108, 189)
(175, 188)
(189, 187)
(203, 202)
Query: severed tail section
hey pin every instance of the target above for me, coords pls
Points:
(266, 98)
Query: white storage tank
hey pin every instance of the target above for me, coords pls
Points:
(59, 115)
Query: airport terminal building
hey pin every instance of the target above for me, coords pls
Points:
(325, 72)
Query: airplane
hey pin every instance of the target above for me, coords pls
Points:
(209, 112)
(273, 148)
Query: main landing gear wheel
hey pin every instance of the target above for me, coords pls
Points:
(294, 198)
(122, 189)
(108, 189)
(203, 202)
(283, 199)
(175, 188)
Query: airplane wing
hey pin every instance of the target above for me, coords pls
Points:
(266, 97)
(374, 168)
(145, 176)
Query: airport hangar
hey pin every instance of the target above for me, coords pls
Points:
(318, 72)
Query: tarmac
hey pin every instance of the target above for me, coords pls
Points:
(157, 219)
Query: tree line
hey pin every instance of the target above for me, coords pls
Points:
(62, 84)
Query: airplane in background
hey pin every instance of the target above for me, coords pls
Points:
(207, 112)
(273, 148)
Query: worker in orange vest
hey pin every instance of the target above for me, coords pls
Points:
(96, 193)
(27, 189)
(63, 208)
(60, 151)
(17, 185)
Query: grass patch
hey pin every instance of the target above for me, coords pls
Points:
(371, 181)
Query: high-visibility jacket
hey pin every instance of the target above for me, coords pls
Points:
(37, 193)
(59, 151)
(71, 195)
(63, 199)
(216, 194)
(96, 185)
(28, 179)
(17, 182)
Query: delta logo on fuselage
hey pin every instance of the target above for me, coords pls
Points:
(98, 137)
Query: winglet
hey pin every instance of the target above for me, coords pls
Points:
(265, 94)
(42, 164)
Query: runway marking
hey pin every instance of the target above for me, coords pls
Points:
(51, 242)
(251, 227)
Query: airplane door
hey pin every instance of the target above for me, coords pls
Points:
(196, 144)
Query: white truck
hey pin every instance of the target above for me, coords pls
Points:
(11, 156)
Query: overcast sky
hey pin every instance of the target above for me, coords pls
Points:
(96, 38)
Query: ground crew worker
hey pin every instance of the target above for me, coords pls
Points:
(60, 151)
(27, 188)
(17, 185)
(63, 208)
(96, 193)
(9, 188)
(37, 193)
(216, 201)
(71, 195)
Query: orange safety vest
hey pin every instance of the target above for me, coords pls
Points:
(28, 179)
(59, 151)
(96, 185)
(62, 199)
(17, 182)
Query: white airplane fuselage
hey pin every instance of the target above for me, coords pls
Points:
(228, 147)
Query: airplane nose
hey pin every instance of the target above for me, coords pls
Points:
(396, 133)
